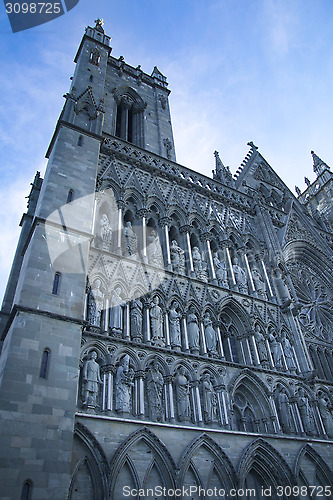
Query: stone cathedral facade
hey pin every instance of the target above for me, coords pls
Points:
(160, 328)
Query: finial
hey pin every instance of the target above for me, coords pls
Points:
(307, 182)
(252, 145)
(318, 164)
(298, 191)
(99, 25)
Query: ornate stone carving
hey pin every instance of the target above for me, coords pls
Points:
(154, 250)
(261, 345)
(283, 408)
(91, 381)
(168, 145)
(208, 399)
(155, 383)
(174, 322)
(325, 408)
(221, 271)
(131, 240)
(305, 412)
(105, 233)
(136, 320)
(275, 349)
(259, 282)
(240, 276)
(123, 386)
(116, 312)
(95, 304)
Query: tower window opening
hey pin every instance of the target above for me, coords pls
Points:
(44, 364)
(56, 284)
(70, 196)
(26, 490)
(80, 141)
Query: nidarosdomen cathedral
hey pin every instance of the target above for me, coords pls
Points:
(164, 331)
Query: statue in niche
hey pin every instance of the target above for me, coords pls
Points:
(124, 385)
(197, 262)
(136, 320)
(275, 349)
(259, 283)
(116, 312)
(261, 345)
(91, 381)
(193, 331)
(209, 399)
(288, 352)
(220, 271)
(154, 250)
(305, 412)
(210, 335)
(325, 409)
(174, 320)
(203, 274)
(131, 240)
(240, 276)
(156, 323)
(283, 408)
(177, 258)
(155, 384)
(105, 232)
(95, 304)
(183, 395)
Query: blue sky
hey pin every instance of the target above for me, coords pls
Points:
(238, 70)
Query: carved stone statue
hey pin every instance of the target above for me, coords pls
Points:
(131, 240)
(283, 408)
(177, 258)
(182, 395)
(124, 384)
(136, 320)
(105, 232)
(116, 312)
(155, 383)
(91, 380)
(305, 412)
(288, 352)
(174, 321)
(210, 335)
(208, 399)
(154, 250)
(240, 276)
(220, 271)
(156, 323)
(275, 349)
(259, 283)
(197, 262)
(193, 331)
(95, 304)
(261, 345)
(325, 409)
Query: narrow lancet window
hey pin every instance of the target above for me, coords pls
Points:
(56, 284)
(44, 364)
(70, 196)
(26, 491)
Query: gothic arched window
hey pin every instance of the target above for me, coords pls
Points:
(70, 195)
(26, 490)
(129, 116)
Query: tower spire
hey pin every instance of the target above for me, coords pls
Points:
(318, 164)
(222, 173)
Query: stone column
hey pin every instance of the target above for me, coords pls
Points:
(186, 231)
(203, 338)
(107, 374)
(231, 270)
(195, 396)
(185, 343)
(268, 287)
(106, 313)
(169, 399)
(140, 395)
(120, 205)
(167, 331)
(146, 322)
(219, 340)
(255, 350)
(127, 323)
(297, 418)
(143, 214)
(246, 260)
(222, 398)
(164, 224)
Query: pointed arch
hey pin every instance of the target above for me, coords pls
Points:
(221, 461)
(264, 461)
(322, 470)
(161, 457)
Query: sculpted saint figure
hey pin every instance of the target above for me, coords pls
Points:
(211, 335)
(183, 395)
(131, 240)
(325, 409)
(174, 320)
(261, 345)
(124, 384)
(177, 258)
(155, 383)
(240, 276)
(197, 262)
(275, 349)
(209, 398)
(156, 323)
(105, 232)
(154, 250)
(305, 412)
(283, 408)
(95, 304)
(288, 352)
(220, 271)
(193, 331)
(116, 312)
(91, 380)
(136, 320)
(259, 283)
